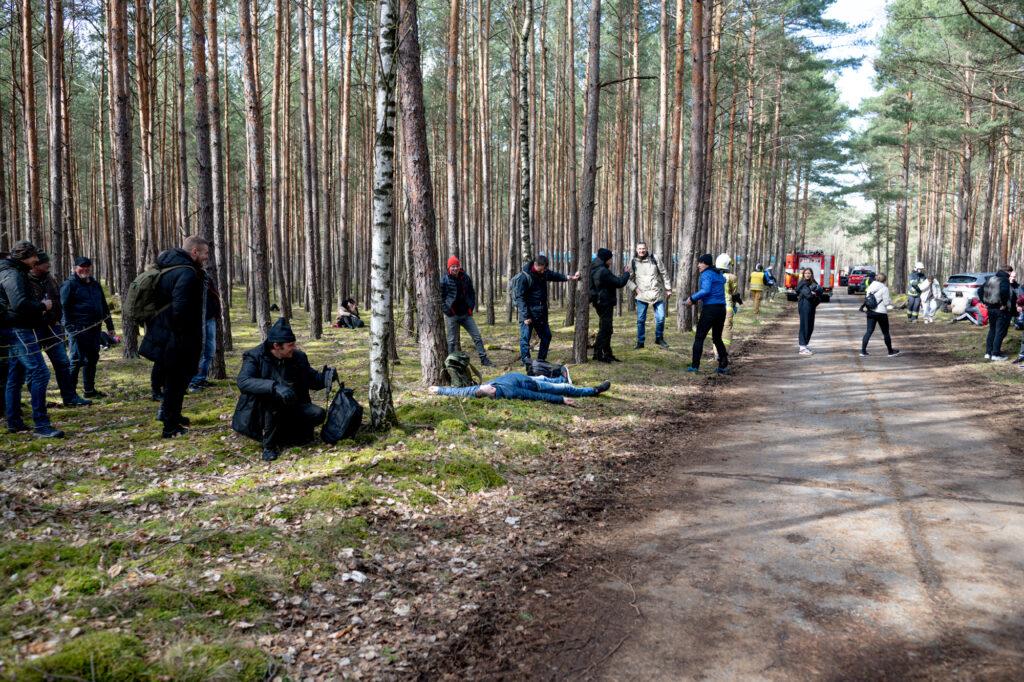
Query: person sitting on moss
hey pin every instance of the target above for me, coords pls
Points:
(518, 386)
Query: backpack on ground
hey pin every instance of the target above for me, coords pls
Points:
(990, 292)
(344, 417)
(140, 300)
(461, 370)
(543, 368)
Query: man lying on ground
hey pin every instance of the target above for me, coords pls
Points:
(518, 386)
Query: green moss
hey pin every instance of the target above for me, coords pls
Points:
(95, 656)
(185, 662)
(337, 496)
(471, 475)
(451, 427)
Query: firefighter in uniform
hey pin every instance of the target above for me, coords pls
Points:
(757, 286)
(914, 292)
(723, 263)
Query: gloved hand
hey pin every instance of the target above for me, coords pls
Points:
(284, 394)
(330, 376)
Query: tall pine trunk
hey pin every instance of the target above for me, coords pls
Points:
(685, 275)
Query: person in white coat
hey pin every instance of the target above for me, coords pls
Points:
(931, 294)
(878, 315)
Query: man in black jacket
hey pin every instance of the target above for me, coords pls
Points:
(999, 314)
(50, 333)
(174, 339)
(275, 380)
(85, 309)
(20, 315)
(531, 295)
(459, 302)
(603, 285)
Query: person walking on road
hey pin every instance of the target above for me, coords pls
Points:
(603, 287)
(995, 294)
(914, 286)
(653, 287)
(878, 292)
(459, 302)
(531, 296)
(757, 284)
(51, 334)
(808, 295)
(85, 310)
(712, 314)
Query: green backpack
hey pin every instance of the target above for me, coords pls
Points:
(140, 300)
(460, 370)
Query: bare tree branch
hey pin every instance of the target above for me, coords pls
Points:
(991, 29)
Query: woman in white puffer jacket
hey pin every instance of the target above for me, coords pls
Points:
(878, 315)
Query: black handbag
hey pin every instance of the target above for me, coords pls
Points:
(344, 417)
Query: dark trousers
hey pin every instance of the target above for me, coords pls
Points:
(176, 379)
(882, 320)
(998, 325)
(453, 326)
(543, 333)
(913, 307)
(292, 425)
(156, 378)
(712, 319)
(807, 311)
(603, 342)
(85, 354)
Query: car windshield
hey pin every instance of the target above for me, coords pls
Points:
(962, 279)
(863, 272)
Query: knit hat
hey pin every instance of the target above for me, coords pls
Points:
(454, 261)
(43, 257)
(707, 259)
(23, 250)
(281, 332)
(603, 255)
(83, 261)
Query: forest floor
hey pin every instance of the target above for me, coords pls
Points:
(822, 517)
(127, 556)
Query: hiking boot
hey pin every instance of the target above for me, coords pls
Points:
(195, 388)
(661, 342)
(48, 432)
(486, 362)
(173, 431)
(864, 354)
(603, 386)
(184, 421)
(612, 358)
(1020, 359)
(269, 453)
(722, 370)
(16, 428)
(638, 346)
(94, 394)
(896, 351)
(76, 401)
(156, 396)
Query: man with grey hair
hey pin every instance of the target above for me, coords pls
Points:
(653, 286)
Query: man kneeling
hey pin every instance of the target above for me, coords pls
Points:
(275, 381)
(518, 386)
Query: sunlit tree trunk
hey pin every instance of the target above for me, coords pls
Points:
(684, 277)
(184, 224)
(33, 189)
(525, 226)
(220, 269)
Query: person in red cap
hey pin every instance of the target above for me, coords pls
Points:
(459, 302)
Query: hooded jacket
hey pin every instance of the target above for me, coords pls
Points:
(712, 288)
(604, 283)
(176, 334)
(459, 294)
(256, 379)
(1004, 291)
(532, 293)
(84, 303)
(650, 277)
(47, 286)
(18, 309)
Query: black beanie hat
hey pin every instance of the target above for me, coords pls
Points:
(43, 257)
(603, 255)
(281, 332)
(707, 260)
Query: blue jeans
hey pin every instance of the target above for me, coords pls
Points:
(208, 350)
(641, 320)
(52, 341)
(543, 333)
(561, 386)
(26, 362)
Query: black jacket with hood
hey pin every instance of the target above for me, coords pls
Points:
(18, 308)
(604, 283)
(532, 293)
(260, 372)
(176, 334)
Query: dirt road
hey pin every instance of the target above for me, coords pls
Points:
(849, 518)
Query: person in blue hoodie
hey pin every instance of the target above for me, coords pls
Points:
(712, 314)
(518, 386)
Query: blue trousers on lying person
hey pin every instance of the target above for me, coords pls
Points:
(518, 386)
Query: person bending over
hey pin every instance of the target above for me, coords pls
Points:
(518, 386)
(275, 381)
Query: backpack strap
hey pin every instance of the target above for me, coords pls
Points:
(475, 372)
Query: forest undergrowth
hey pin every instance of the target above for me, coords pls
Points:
(127, 556)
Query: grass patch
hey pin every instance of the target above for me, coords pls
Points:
(94, 656)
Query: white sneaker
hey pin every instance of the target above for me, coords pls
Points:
(999, 358)
(987, 356)
(804, 350)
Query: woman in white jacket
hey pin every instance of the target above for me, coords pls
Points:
(931, 293)
(878, 315)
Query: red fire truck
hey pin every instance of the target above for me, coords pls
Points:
(823, 266)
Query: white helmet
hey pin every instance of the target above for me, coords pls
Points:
(723, 262)
(919, 265)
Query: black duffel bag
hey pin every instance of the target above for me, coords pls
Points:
(344, 416)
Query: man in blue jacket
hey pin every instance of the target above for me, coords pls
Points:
(85, 309)
(531, 294)
(712, 314)
(518, 386)
(459, 303)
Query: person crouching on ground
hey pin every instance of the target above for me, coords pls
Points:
(275, 381)
(878, 315)
(518, 386)
(348, 317)
(808, 294)
(712, 314)
(603, 286)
